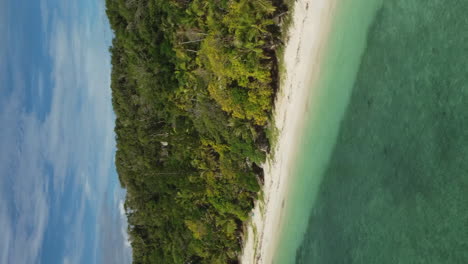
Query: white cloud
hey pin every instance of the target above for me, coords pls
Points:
(40, 85)
(76, 137)
(87, 187)
(123, 218)
(122, 208)
(81, 71)
(115, 246)
(24, 186)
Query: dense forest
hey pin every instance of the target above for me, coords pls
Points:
(193, 83)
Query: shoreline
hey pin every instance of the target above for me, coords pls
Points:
(306, 44)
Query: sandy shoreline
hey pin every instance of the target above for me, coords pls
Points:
(308, 35)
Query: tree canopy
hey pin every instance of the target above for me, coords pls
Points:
(193, 84)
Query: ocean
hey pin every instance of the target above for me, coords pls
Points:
(382, 170)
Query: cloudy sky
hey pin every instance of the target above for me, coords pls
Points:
(60, 201)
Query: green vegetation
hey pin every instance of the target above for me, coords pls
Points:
(193, 83)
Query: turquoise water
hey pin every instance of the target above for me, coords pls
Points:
(325, 111)
(383, 174)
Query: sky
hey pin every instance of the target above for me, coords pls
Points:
(60, 200)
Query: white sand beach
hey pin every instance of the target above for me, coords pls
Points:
(305, 46)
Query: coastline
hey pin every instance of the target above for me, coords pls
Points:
(306, 43)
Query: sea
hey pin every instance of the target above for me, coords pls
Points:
(381, 175)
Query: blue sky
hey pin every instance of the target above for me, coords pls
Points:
(60, 201)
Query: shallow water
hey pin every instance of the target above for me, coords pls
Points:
(325, 111)
(395, 187)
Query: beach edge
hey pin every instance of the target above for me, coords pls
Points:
(311, 25)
